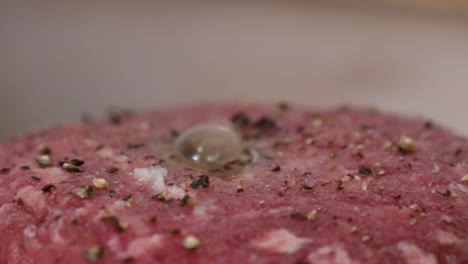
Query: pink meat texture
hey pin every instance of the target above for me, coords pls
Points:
(347, 185)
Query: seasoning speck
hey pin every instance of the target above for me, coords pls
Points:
(298, 215)
(83, 191)
(464, 178)
(340, 185)
(127, 197)
(187, 200)
(201, 181)
(100, 183)
(275, 168)
(313, 215)
(43, 149)
(406, 144)
(364, 170)
(283, 106)
(113, 220)
(240, 119)
(113, 170)
(365, 238)
(317, 122)
(93, 253)
(265, 123)
(191, 242)
(77, 162)
(70, 167)
(48, 188)
(43, 160)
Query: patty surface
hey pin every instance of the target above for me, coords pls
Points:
(336, 186)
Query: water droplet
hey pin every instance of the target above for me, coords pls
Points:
(209, 145)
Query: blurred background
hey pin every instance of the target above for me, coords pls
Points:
(60, 59)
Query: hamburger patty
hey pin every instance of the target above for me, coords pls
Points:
(336, 186)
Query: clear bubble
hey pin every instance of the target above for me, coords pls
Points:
(209, 145)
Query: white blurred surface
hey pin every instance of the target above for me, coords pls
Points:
(59, 60)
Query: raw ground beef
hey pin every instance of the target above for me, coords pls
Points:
(336, 186)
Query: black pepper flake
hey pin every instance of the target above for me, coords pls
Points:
(74, 221)
(158, 197)
(48, 188)
(275, 168)
(113, 220)
(115, 118)
(35, 178)
(185, 200)
(283, 106)
(428, 124)
(127, 197)
(113, 170)
(70, 167)
(83, 191)
(298, 215)
(201, 181)
(340, 185)
(93, 253)
(396, 196)
(240, 119)
(364, 170)
(44, 150)
(135, 145)
(306, 187)
(5, 171)
(447, 193)
(25, 167)
(302, 261)
(153, 219)
(77, 162)
(265, 123)
(174, 230)
(357, 155)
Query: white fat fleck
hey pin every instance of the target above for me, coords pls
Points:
(203, 209)
(279, 210)
(144, 245)
(414, 255)
(34, 199)
(175, 192)
(30, 231)
(121, 158)
(459, 187)
(332, 254)
(154, 175)
(50, 175)
(105, 153)
(56, 237)
(446, 238)
(280, 241)
(114, 244)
